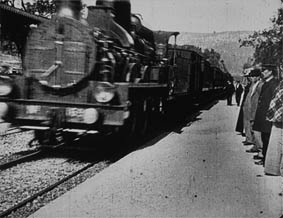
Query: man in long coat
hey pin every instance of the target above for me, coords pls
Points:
(230, 91)
(249, 108)
(267, 90)
(238, 92)
(240, 121)
(254, 102)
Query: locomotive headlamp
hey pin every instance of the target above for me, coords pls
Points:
(5, 89)
(104, 92)
(90, 116)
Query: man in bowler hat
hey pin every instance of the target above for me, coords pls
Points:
(238, 92)
(230, 91)
(268, 72)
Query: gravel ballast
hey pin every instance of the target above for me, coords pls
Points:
(24, 180)
(14, 145)
(41, 201)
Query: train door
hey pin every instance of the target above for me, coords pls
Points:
(198, 74)
(202, 75)
(193, 74)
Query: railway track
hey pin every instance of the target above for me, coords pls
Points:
(31, 156)
(14, 145)
(71, 171)
(21, 185)
(12, 130)
(43, 191)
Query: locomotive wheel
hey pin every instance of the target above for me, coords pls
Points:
(69, 137)
(128, 131)
(41, 136)
(136, 126)
(124, 135)
(46, 137)
(144, 118)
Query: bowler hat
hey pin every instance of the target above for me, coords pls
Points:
(271, 67)
(247, 71)
(254, 72)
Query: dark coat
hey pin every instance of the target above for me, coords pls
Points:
(254, 100)
(239, 90)
(266, 94)
(230, 89)
(238, 93)
(240, 121)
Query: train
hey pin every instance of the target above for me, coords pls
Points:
(105, 73)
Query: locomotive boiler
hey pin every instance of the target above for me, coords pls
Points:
(107, 73)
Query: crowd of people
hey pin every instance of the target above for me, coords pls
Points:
(260, 118)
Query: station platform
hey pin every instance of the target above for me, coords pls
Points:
(198, 171)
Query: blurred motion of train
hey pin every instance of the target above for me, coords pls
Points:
(106, 73)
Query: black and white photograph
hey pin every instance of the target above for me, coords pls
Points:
(141, 108)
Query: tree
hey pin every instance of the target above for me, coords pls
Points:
(8, 2)
(43, 8)
(268, 43)
(212, 56)
(38, 7)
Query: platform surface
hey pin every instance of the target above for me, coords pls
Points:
(197, 172)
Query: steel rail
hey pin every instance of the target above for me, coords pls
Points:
(43, 191)
(13, 130)
(20, 160)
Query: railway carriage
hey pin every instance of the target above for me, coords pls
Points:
(104, 74)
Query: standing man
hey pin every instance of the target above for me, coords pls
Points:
(266, 94)
(240, 121)
(230, 91)
(256, 90)
(249, 109)
(239, 91)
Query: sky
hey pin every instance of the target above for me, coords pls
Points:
(205, 16)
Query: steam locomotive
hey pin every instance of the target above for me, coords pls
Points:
(107, 73)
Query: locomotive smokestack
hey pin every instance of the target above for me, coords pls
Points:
(122, 10)
(69, 8)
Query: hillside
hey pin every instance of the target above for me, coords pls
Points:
(225, 43)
